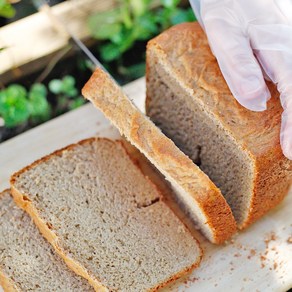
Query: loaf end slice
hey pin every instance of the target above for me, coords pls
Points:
(105, 218)
(188, 98)
(27, 261)
(195, 191)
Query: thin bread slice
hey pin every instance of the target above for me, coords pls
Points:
(27, 261)
(105, 218)
(199, 196)
(188, 99)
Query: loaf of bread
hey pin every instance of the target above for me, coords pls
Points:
(105, 218)
(27, 261)
(188, 98)
(195, 191)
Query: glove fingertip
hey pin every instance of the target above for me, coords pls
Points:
(287, 150)
(255, 101)
(286, 136)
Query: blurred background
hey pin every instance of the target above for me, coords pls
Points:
(42, 61)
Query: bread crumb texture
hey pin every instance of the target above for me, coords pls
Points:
(27, 261)
(107, 217)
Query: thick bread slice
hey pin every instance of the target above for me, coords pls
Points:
(105, 218)
(199, 195)
(27, 261)
(188, 98)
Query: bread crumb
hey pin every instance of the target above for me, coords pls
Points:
(252, 253)
(275, 265)
(271, 237)
(289, 240)
(262, 258)
(237, 255)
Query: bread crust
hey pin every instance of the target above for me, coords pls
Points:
(6, 283)
(22, 200)
(163, 153)
(185, 52)
(159, 183)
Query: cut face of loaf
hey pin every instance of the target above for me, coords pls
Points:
(198, 195)
(105, 218)
(27, 261)
(187, 97)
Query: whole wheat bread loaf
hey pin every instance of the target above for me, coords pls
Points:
(27, 261)
(105, 218)
(195, 191)
(188, 98)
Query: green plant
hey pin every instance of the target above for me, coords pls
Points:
(67, 94)
(39, 107)
(6, 9)
(17, 105)
(134, 20)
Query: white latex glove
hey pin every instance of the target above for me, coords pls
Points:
(252, 39)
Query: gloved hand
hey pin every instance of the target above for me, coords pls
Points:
(252, 39)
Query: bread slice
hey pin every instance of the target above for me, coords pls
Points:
(199, 196)
(105, 218)
(27, 261)
(188, 98)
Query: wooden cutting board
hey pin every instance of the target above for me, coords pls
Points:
(258, 259)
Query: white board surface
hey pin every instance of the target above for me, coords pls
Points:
(258, 259)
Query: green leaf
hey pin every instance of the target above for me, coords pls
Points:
(3, 101)
(126, 15)
(55, 86)
(182, 15)
(68, 82)
(110, 52)
(6, 9)
(163, 17)
(128, 40)
(14, 107)
(146, 26)
(68, 86)
(15, 91)
(39, 88)
(170, 3)
(39, 105)
(104, 25)
(72, 92)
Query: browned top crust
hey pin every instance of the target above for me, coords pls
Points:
(162, 152)
(185, 51)
(185, 54)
